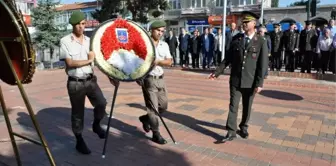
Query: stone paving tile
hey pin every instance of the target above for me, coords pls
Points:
(214, 111)
(188, 107)
(295, 137)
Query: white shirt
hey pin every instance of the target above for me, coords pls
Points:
(250, 36)
(334, 41)
(219, 39)
(323, 44)
(73, 49)
(162, 53)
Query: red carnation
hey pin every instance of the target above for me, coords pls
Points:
(110, 43)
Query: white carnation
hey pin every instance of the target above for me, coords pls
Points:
(125, 61)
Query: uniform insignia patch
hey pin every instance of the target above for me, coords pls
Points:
(254, 55)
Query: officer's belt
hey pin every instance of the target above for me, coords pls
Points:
(155, 77)
(89, 77)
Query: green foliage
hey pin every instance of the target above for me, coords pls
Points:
(275, 3)
(140, 8)
(302, 3)
(109, 10)
(47, 33)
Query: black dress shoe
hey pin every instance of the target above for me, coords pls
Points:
(145, 125)
(244, 134)
(157, 138)
(81, 147)
(96, 128)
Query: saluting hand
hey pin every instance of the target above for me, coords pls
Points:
(258, 89)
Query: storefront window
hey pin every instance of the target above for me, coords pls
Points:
(199, 3)
(235, 2)
(219, 2)
(241, 2)
(175, 4)
(193, 3)
(248, 2)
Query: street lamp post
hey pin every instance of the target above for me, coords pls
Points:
(224, 29)
(262, 13)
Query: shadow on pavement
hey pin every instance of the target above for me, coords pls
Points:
(281, 95)
(126, 144)
(206, 71)
(188, 121)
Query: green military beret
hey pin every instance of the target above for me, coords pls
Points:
(158, 24)
(76, 17)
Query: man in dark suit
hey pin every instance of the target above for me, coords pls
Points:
(172, 42)
(276, 36)
(208, 45)
(263, 33)
(248, 56)
(290, 43)
(307, 46)
(183, 47)
(195, 49)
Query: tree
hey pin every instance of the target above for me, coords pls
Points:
(275, 3)
(48, 34)
(299, 3)
(140, 9)
(311, 11)
(302, 3)
(110, 9)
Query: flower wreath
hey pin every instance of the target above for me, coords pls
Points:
(110, 43)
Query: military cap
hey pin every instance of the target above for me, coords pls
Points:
(76, 17)
(158, 24)
(292, 23)
(249, 16)
(308, 22)
(276, 25)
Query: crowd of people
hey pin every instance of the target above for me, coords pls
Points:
(313, 48)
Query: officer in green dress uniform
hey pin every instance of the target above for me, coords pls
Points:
(248, 56)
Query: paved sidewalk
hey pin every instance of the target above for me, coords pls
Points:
(292, 123)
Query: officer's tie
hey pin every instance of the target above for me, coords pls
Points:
(247, 40)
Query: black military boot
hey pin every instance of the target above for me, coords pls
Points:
(81, 146)
(243, 133)
(96, 128)
(145, 124)
(231, 135)
(157, 138)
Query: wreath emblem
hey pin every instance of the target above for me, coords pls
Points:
(123, 49)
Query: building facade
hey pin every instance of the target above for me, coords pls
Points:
(198, 14)
(25, 7)
(297, 13)
(86, 7)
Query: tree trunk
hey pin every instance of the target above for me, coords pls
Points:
(51, 57)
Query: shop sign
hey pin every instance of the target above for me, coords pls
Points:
(198, 22)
